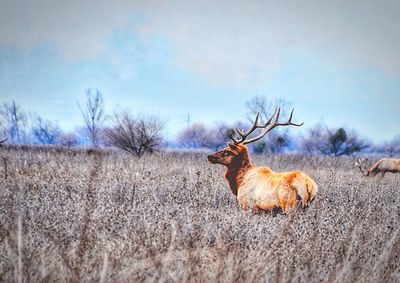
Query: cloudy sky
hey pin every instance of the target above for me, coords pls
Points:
(335, 61)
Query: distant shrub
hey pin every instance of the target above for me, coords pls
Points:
(336, 142)
(137, 136)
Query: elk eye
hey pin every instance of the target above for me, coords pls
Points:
(226, 153)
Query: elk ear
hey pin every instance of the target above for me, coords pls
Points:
(232, 146)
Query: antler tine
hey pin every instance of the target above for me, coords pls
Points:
(231, 135)
(243, 135)
(360, 162)
(271, 124)
(289, 121)
(277, 109)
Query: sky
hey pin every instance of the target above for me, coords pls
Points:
(336, 62)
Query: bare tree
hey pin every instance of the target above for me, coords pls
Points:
(316, 140)
(194, 136)
(390, 148)
(199, 135)
(14, 121)
(222, 135)
(45, 132)
(93, 115)
(68, 139)
(137, 136)
(335, 142)
(265, 106)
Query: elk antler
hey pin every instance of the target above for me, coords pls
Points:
(359, 164)
(267, 127)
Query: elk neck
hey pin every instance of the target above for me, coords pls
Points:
(235, 173)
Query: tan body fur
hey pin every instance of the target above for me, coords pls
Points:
(259, 188)
(382, 166)
(263, 189)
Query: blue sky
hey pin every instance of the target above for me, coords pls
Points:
(336, 62)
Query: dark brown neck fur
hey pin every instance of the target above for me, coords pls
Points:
(235, 173)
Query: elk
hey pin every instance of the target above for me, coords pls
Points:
(260, 188)
(382, 166)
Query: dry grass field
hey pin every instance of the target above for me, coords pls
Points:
(103, 216)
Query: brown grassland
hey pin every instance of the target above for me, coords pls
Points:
(71, 215)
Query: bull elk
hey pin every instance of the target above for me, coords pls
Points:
(382, 166)
(260, 188)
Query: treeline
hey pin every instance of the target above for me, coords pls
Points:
(139, 134)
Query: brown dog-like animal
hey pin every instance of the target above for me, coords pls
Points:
(260, 188)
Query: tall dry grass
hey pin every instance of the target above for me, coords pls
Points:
(73, 215)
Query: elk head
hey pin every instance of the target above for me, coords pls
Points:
(235, 154)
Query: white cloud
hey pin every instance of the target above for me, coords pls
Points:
(242, 41)
(78, 28)
(229, 42)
